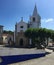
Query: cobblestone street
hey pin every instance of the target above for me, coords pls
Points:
(47, 60)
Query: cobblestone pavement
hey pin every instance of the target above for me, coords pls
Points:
(5, 51)
(48, 60)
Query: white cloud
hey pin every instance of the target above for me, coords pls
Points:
(47, 20)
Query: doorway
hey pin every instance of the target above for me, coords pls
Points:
(21, 42)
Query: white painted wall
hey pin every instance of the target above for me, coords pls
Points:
(21, 24)
(5, 39)
(36, 23)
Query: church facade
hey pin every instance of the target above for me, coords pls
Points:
(1, 33)
(19, 37)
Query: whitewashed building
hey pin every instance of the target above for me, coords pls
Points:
(7, 38)
(34, 22)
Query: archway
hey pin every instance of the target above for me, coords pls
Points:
(21, 42)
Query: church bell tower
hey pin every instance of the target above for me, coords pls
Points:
(35, 19)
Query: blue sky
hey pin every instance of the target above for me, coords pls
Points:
(11, 12)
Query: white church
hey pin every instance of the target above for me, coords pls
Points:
(34, 22)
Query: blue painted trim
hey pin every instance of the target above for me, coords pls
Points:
(18, 58)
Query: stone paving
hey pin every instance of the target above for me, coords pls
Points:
(47, 60)
(5, 51)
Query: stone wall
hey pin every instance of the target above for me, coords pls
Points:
(21, 40)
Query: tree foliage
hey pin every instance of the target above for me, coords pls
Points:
(8, 32)
(39, 35)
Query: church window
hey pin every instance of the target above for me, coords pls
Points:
(21, 26)
(33, 18)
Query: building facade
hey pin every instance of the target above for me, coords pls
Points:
(1, 32)
(7, 39)
(20, 39)
(34, 22)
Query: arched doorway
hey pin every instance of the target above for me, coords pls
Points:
(21, 42)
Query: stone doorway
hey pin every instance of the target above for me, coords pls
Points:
(21, 42)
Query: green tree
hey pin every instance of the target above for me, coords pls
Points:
(39, 35)
(52, 35)
(48, 35)
(8, 32)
